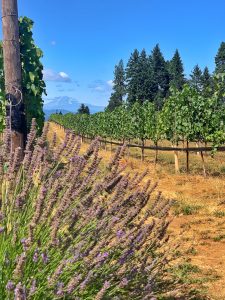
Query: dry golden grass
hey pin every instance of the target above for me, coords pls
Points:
(199, 209)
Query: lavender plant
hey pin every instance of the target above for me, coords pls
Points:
(70, 229)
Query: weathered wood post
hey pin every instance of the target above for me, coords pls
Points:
(12, 72)
(176, 160)
(187, 158)
(156, 153)
(142, 149)
(203, 164)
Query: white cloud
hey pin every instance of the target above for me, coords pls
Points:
(101, 86)
(53, 43)
(110, 83)
(64, 76)
(50, 75)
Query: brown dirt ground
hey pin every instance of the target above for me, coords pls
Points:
(198, 213)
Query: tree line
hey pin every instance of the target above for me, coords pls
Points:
(152, 100)
(151, 77)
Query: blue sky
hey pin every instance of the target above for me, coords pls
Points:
(82, 40)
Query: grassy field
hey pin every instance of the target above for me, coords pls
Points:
(198, 213)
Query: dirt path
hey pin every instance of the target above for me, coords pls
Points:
(198, 211)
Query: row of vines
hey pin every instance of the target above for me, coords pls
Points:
(186, 116)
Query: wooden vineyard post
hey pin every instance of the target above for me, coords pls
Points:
(105, 145)
(13, 74)
(187, 158)
(176, 161)
(177, 169)
(206, 145)
(128, 148)
(111, 145)
(156, 153)
(197, 146)
(143, 150)
(203, 164)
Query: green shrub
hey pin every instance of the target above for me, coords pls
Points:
(219, 213)
(219, 237)
(186, 209)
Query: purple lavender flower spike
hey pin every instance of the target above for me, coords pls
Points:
(103, 290)
(44, 257)
(10, 285)
(86, 280)
(124, 282)
(125, 256)
(20, 292)
(25, 244)
(35, 256)
(33, 288)
(105, 254)
(73, 283)
(58, 174)
(120, 233)
(101, 257)
(60, 291)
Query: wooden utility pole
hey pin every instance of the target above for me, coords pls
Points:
(12, 72)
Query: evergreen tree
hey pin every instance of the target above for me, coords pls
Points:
(119, 87)
(132, 77)
(114, 102)
(139, 76)
(220, 59)
(196, 78)
(84, 109)
(207, 82)
(160, 75)
(145, 79)
(176, 71)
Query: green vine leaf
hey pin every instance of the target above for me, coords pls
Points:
(32, 76)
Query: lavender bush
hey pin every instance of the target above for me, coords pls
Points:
(71, 229)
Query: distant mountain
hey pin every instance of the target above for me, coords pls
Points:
(66, 104)
(48, 113)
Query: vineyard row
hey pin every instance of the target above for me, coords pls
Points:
(143, 123)
(158, 148)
